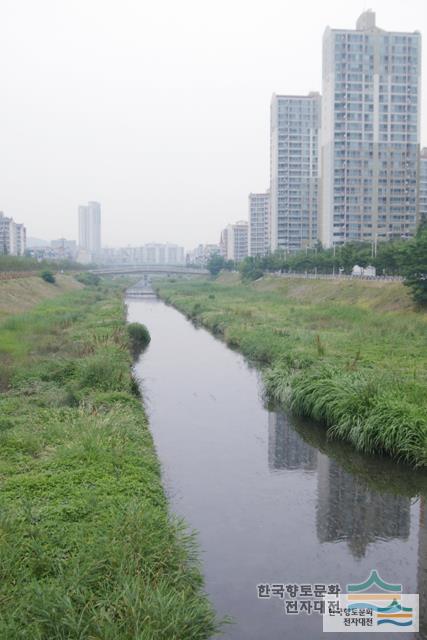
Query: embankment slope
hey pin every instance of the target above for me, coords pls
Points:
(21, 294)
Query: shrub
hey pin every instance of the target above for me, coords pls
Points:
(88, 278)
(139, 337)
(48, 276)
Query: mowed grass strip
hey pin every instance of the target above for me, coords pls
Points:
(350, 354)
(88, 549)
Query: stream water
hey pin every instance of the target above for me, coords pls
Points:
(272, 500)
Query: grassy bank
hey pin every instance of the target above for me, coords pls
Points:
(352, 355)
(20, 295)
(87, 547)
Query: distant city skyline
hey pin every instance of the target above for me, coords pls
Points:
(141, 109)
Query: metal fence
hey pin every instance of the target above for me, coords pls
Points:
(336, 276)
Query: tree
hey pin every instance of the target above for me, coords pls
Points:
(355, 253)
(251, 268)
(415, 269)
(391, 257)
(215, 264)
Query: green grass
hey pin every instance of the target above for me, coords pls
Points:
(25, 263)
(352, 355)
(88, 548)
(22, 294)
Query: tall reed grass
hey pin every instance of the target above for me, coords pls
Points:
(88, 548)
(349, 355)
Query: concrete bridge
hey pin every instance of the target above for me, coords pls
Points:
(141, 289)
(150, 269)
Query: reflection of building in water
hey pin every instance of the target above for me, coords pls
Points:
(286, 448)
(348, 509)
(422, 567)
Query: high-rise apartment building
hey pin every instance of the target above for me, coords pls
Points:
(20, 234)
(13, 237)
(237, 241)
(90, 228)
(294, 171)
(202, 254)
(423, 186)
(370, 133)
(223, 242)
(259, 224)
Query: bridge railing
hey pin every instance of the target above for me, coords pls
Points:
(147, 268)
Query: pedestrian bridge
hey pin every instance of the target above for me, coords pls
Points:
(142, 289)
(151, 269)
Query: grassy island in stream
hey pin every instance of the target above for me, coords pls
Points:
(87, 546)
(350, 354)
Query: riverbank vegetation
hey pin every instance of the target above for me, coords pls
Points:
(350, 354)
(87, 546)
(26, 263)
(403, 257)
(139, 337)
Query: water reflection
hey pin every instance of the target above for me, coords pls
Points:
(347, 509)
(286, 448)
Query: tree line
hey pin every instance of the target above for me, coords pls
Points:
(407, 258)
(27, 263)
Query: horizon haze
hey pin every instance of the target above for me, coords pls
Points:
(159, 112)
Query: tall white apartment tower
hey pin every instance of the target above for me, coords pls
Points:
(94, 216)
(83, 227)
(370, 133)
(90, 228)
(294, 171)
(259, 224)
(423, 186)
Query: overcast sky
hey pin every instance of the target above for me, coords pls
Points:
(159, 110)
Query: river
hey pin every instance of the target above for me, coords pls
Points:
(272, 501)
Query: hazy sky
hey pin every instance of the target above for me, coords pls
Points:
(159, 110)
